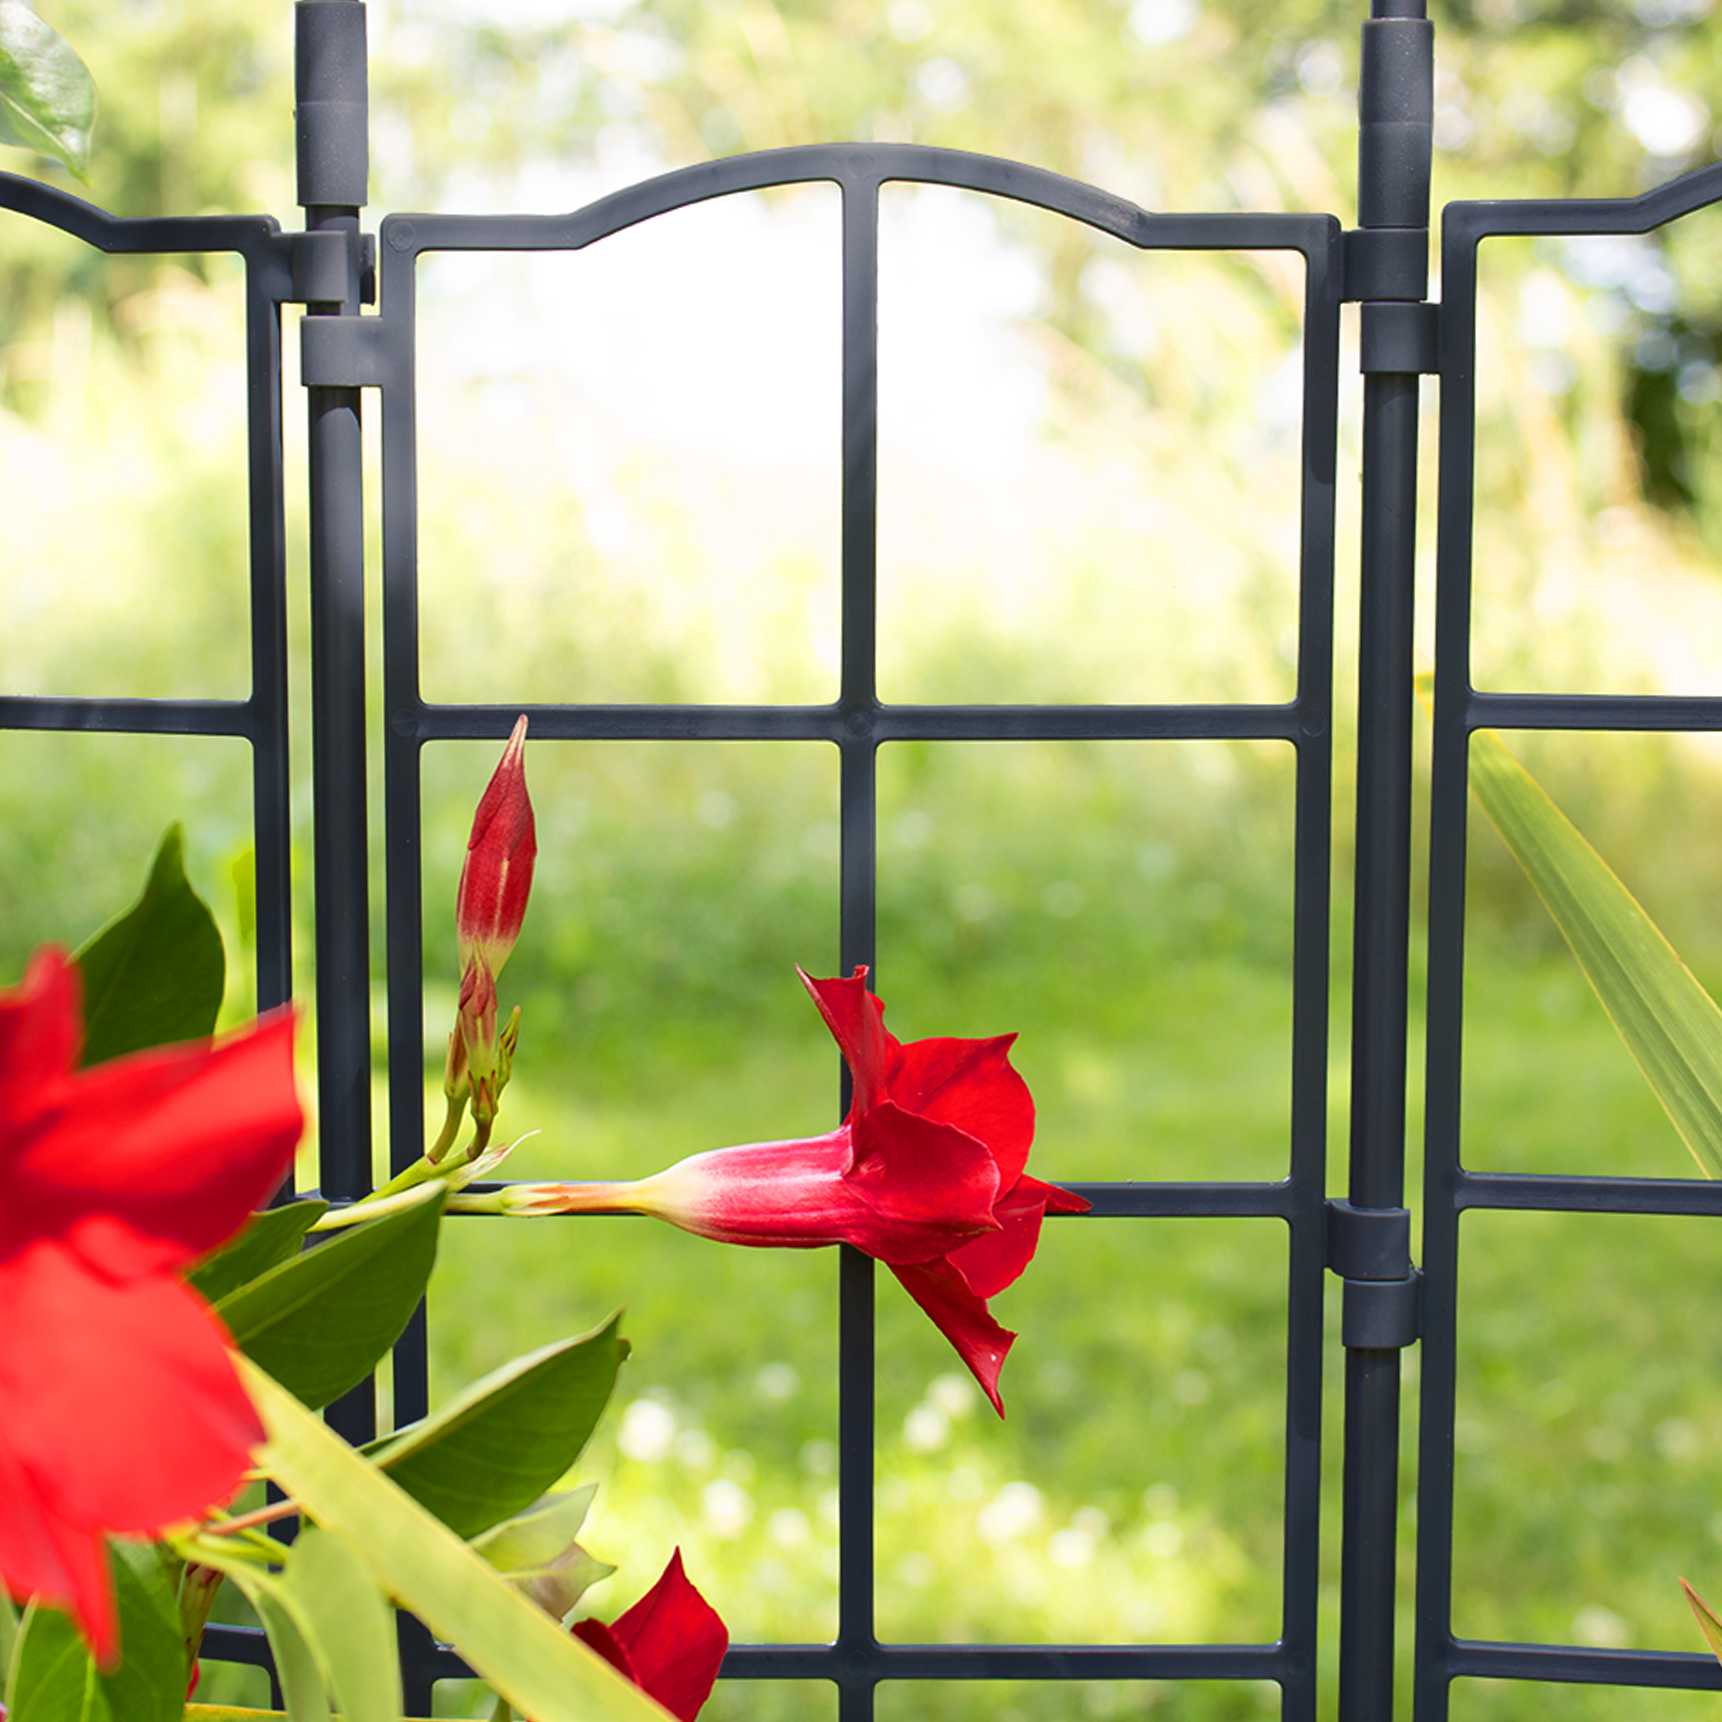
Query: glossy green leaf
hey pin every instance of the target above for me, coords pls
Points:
(496, 1448)
(523, 1655)
(269, 1237)
(348, 1626)
(320, 1321)
(47, 97)
(1670, 1024)
(155, 974)
(54, 1680)
(1708, 1624)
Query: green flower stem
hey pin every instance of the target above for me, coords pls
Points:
(357, 1213)
(456, 1104)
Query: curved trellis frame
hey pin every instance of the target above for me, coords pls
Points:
(857, 724)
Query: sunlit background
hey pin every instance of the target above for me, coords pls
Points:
(1088, 491)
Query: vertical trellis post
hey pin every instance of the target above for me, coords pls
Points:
(1387, 268)
(331, 82)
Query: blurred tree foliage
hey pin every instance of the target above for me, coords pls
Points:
(1186, 104)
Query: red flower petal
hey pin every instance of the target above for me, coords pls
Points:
(963, 1319)
(971, 1084)
(856, 1019)
(41, 1028)
(995, 1260)
(123, 1410)
(912, 1170)
(42, 1556)
(153, 1160)
(605, 1642)
(674, 1641)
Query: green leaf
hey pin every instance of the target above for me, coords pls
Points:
(1708, 1624)
(301, 1679)
(523, 1655)
(47, 97)
(320, 1321)
(8, 1639)
(1670, 1024)
(269, 1237)
(347, 1625)
(54, 1679)
(536, 1537)
(538, 1552)
(301, 1676)
(497, 1447)
(155, 974)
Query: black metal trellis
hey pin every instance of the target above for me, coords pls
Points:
(333, 269)
(1450, 1189)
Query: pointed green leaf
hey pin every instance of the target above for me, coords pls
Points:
(348, 1626)
(523, 1655)
(54, 1679)
(1670, 1024)
(1708, 1624)
(154, 975)
(320, 1321)
(536, 1537)
(47, 98)
(269, 1237)
(504, 1441)
(538, 1552)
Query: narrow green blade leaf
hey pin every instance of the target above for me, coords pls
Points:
(155, 975)
(319, 1321)
(1708, 1624)
(348, 1624)
(1670, 1024)
(269, 1237)
(47, 97)
(54, 1679)
(497, 1447)
(301, 1677)
(523, 1655)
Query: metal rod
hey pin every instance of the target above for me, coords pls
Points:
(330, 84)
(1395, 108)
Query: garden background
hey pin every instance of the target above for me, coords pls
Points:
(1088, 492)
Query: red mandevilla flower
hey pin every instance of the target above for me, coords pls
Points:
(926, 1174)
(671, 1643)
(496, 878)
(123, 1410)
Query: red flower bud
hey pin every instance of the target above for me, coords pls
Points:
(497, 876)
(671, 1643)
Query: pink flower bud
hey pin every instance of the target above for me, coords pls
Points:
(497, 876)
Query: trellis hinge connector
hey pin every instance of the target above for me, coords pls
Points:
(1370, 1250)
(344, 353)
(323, 267)
(1401, 337)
